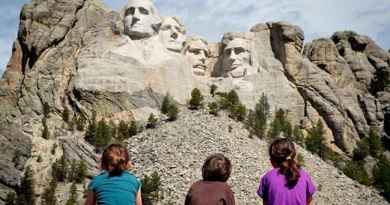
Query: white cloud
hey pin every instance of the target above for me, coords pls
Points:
(211, 18)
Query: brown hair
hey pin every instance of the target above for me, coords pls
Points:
(216, 168)
(282, 153)
(115, 159)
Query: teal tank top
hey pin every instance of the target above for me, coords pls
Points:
(115, 190)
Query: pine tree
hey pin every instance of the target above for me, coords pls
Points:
(49, 195)
(166, 104)
(81, 172)
(298, 136)
(10, 200)
(196, 100)
(173, 112)
(213, 89)
(45, 132)
(233, 98)
(382, 176)
(123, 129)
(238, 112)
(26, 190)
(151, 189)
(73, 195)
(314, 141)
(80, 123)
(90, 134)
(133, 129)
(103, 134)
(213, 108)
(280, 125)
(375, 143)
(152, 121)
(257, 120)
(72, 175)
(60, 169)
(65, 115)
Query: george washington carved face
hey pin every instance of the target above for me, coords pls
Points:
(141, 19)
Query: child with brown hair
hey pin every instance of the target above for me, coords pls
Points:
(287, 183)
(115, 185)
(213, 189)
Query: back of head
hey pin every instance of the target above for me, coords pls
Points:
(115, 159)
(282, 153)
(216, 168)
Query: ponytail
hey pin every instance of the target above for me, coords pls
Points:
(282, 153)
(115, 159)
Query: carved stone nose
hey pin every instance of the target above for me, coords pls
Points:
(174, 36)
(134, 20)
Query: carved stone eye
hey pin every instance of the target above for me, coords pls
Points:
(228, 52)
(130, 11)
(166, 27)
(239, 50)
(144, 11)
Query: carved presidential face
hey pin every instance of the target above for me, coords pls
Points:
(197, 52)
(141, 19)
(236, 58)
(172, 34)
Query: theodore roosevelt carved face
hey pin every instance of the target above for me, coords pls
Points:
(196, 51)
(141, 19)
(172, 33)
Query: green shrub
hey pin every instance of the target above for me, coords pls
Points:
(167, 101)
(213, 89)
(298, 136)
(103, 134)
(256, 121)
(60, 169)
(72, 200)
(382, 176)
(49, 195)
(151, 189)
(81, 172)
(196, 100)
(213, 108)
(314, 141)
(25, 192)
(65, 115)
(133, 129)
(10, 200)
(356, 171)
(279, 125)
(173, 112)
(152, 121)
(123, 131)
(45, 132)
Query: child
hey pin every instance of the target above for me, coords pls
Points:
(286, 183)
(114, 185)
(212, 190)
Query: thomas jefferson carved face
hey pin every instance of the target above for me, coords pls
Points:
(237, 58)
(173, 34)
(141, 19)
(196, 51)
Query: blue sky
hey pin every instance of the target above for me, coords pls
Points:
(211, 18)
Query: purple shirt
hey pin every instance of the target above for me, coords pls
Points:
(273, 189)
